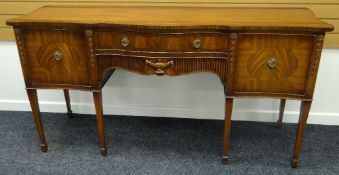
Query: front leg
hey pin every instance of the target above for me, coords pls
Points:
(304, 111)
(33, 100)
(68, 104)
(97, 97)
(227, 127)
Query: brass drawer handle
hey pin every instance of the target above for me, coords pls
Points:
(57, 55)
(197, 43)
(272, 63)
(159, 66)
(124, 41)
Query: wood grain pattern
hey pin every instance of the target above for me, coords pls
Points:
(176, 18)
(316, 55)
(304, 111)
(22, 55)
(232, 50)
(33, 99)
(267, 52)
(181, 65)
(97, 98)
(162, 42)
(44, 68)
(227, 128)
(293, 54)
(92, 63)
(324, 9)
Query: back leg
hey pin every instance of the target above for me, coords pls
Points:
(281, 113)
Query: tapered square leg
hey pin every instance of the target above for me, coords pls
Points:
(304, 111)
(68, 104)
(227, 128)
(281, 113)
(97, 97)
(33, 100)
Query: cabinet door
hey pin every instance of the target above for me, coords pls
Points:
(273, 63)
(56, 57)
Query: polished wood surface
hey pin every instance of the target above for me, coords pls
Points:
(255, 52)
(304, 111)
(281, 112)
(33, 100)
(175, 17)
(293, 56)
(68, 103)
(227, 127)
(326, 10)
(71, 69)
(162, 42)
(97, 98)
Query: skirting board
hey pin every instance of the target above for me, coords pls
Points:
(160, 111)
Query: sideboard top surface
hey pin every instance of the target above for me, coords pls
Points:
(175, 17)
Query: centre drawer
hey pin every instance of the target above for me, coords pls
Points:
(160, 63)
(162, 42)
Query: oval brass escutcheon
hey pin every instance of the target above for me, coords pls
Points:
(57, 55)
(197, 43)
(272, 63)
(124, 41)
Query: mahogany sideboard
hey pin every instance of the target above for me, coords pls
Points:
(256, 52)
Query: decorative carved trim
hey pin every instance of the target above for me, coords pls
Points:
(19, 42)
(159, 66)
(228, 88)
(182, 65)
(92, 63)
(234, 42)
(317, 53)
(89, 37)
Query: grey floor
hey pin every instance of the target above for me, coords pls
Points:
(141, 145)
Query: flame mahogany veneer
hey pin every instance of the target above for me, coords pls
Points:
(265, 52)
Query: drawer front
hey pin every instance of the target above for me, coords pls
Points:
(162, 64)
(56, 57)
(162, 42)
(273, 63)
